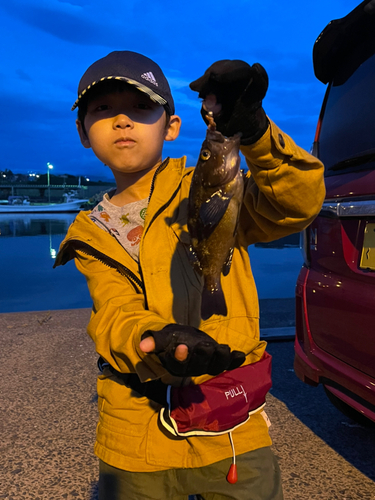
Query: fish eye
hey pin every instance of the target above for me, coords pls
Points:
(205, 154)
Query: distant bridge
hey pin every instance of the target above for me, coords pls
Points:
(27, 189)
(56, 190)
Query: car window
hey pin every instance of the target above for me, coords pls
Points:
(347, 137)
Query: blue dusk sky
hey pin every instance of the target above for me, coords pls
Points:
(48, 44)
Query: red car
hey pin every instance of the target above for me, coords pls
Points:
(335, 291)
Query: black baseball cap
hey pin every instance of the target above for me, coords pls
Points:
(133, 68)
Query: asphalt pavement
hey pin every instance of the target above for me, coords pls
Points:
(48, 418)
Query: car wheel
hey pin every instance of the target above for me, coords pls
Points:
(348, 410)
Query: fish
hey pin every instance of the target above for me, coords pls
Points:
(214, 204)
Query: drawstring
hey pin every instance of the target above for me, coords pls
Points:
(232, 473)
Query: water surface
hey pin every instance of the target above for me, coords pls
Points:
(28, 247)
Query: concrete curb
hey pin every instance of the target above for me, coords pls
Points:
(282, 333)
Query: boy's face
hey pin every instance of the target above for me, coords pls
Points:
(127, 130)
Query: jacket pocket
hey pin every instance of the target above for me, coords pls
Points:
(122, 410)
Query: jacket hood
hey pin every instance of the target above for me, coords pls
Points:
(85, 231)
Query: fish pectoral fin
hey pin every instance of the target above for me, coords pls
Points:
(212, 211)
(228, 262)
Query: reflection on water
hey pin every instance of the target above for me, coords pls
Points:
(34, 224)
(28, 247)
(20, 225)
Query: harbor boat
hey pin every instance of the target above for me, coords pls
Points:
(73, 206)
(17, 205)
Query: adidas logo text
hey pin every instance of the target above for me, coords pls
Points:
(149, 77)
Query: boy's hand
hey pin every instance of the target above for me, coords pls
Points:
(233, 91)
(185, 351)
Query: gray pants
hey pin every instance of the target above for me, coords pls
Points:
(258, 479)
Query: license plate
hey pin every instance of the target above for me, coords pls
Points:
(368, 250)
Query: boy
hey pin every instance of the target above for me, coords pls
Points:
(133, 250)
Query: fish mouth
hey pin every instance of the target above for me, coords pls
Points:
(216, 136)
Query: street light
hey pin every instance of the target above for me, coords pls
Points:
(50, 167)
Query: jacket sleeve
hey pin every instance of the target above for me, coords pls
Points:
(284, 188)
(119, 319)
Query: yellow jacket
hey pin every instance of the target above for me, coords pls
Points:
(284, 192)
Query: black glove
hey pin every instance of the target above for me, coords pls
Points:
(240, 89)
(205, 355)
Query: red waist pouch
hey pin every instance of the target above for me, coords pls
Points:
(219, 405)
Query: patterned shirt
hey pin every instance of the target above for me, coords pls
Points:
(123, 223)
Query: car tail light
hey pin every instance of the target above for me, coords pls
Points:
(304, 239)
(299, 319)
(308, 241)
(308, 236)
(300, 304)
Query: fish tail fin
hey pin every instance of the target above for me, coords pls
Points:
(213, 303)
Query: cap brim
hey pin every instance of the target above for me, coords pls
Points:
(152, 95)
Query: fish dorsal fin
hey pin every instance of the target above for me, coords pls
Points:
(228, 262)
(212, 211)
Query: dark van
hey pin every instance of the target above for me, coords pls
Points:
(335, 291)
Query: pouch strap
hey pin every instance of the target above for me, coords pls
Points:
(154, 390)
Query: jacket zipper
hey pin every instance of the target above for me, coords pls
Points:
(108, 261)
(162, 208)
(159, 169)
